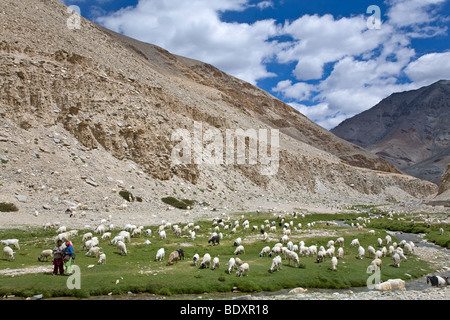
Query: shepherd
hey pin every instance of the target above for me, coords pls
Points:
(69, 256)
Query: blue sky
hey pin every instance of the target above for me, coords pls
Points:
(320, 56)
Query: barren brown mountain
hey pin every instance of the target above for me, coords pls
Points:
(409, 129)
(87, 112)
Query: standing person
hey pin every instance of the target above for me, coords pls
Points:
(58, 259)
(68, 257)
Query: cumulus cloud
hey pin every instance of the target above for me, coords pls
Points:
(429, 68)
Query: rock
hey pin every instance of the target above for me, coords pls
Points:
(246, 297)
(92, 183)
(46, 207)
(21, 197)
(298, 290)
(37, 297)
(3, 139)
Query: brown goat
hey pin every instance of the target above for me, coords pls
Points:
(174, 257)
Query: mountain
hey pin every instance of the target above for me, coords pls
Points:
(409, 129)
(85, 113)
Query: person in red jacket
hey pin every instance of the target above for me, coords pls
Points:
(58, 263)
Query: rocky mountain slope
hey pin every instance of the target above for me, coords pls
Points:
(85, 113)
(409, 129)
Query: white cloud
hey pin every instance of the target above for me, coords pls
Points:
(300, 91)
(194, 29)
(323, 39)
(429, 68)
(403, 13)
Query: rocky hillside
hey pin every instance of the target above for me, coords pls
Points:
(409, 129)
(87, 112)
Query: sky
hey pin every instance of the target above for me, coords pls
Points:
(329, 59)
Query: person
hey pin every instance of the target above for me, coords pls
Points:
(58, 259)
(68, 257)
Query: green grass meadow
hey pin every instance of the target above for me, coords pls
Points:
(138, 271)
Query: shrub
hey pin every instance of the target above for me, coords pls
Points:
(127, 195)
(175, 202)
(8, 207)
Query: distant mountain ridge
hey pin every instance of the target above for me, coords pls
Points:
(411, 130)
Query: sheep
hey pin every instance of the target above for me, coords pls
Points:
(162, 234)
(214, 239)
(94, 251)
(125, 235)
(388, 239)
(391, 251)
(380, 242)
(238, 261)
(361, 252)
(8, 253)
(11, 242)
(320, 256)
(206, 261)
(192, 234)
(330, 244)
(160, 254)
(284, 239)
(243, 269)
(291, 255)
(397, 284)
(339, 241)
(174, 256)
(116, 239)
(437, 281)
(372, 232)
(265, 251)
(396, 259)
(122, 247)
(45, 254)
(290, 245)
(102, 258)
(276, 264)
(330, 252)
(378, 254)
(313, 249)
(265, 237)
(177, 231)
(148, 232)
(400, 253)
(370, 251)
(47, 226)
(441, 231)
(355, 243)
(136, 232)
(377, 262)
(61, 229)
(106, 235)
(384, 286)
(100, 229)
(237, 242)
(334, 263)
(408, 248)
(239, 249)
(340, 253)
(86, 237)
(215, 263)
(231, 265)
(196, 259)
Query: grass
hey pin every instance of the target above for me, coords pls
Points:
(139, 272)
(8, 207)
(431, 231)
